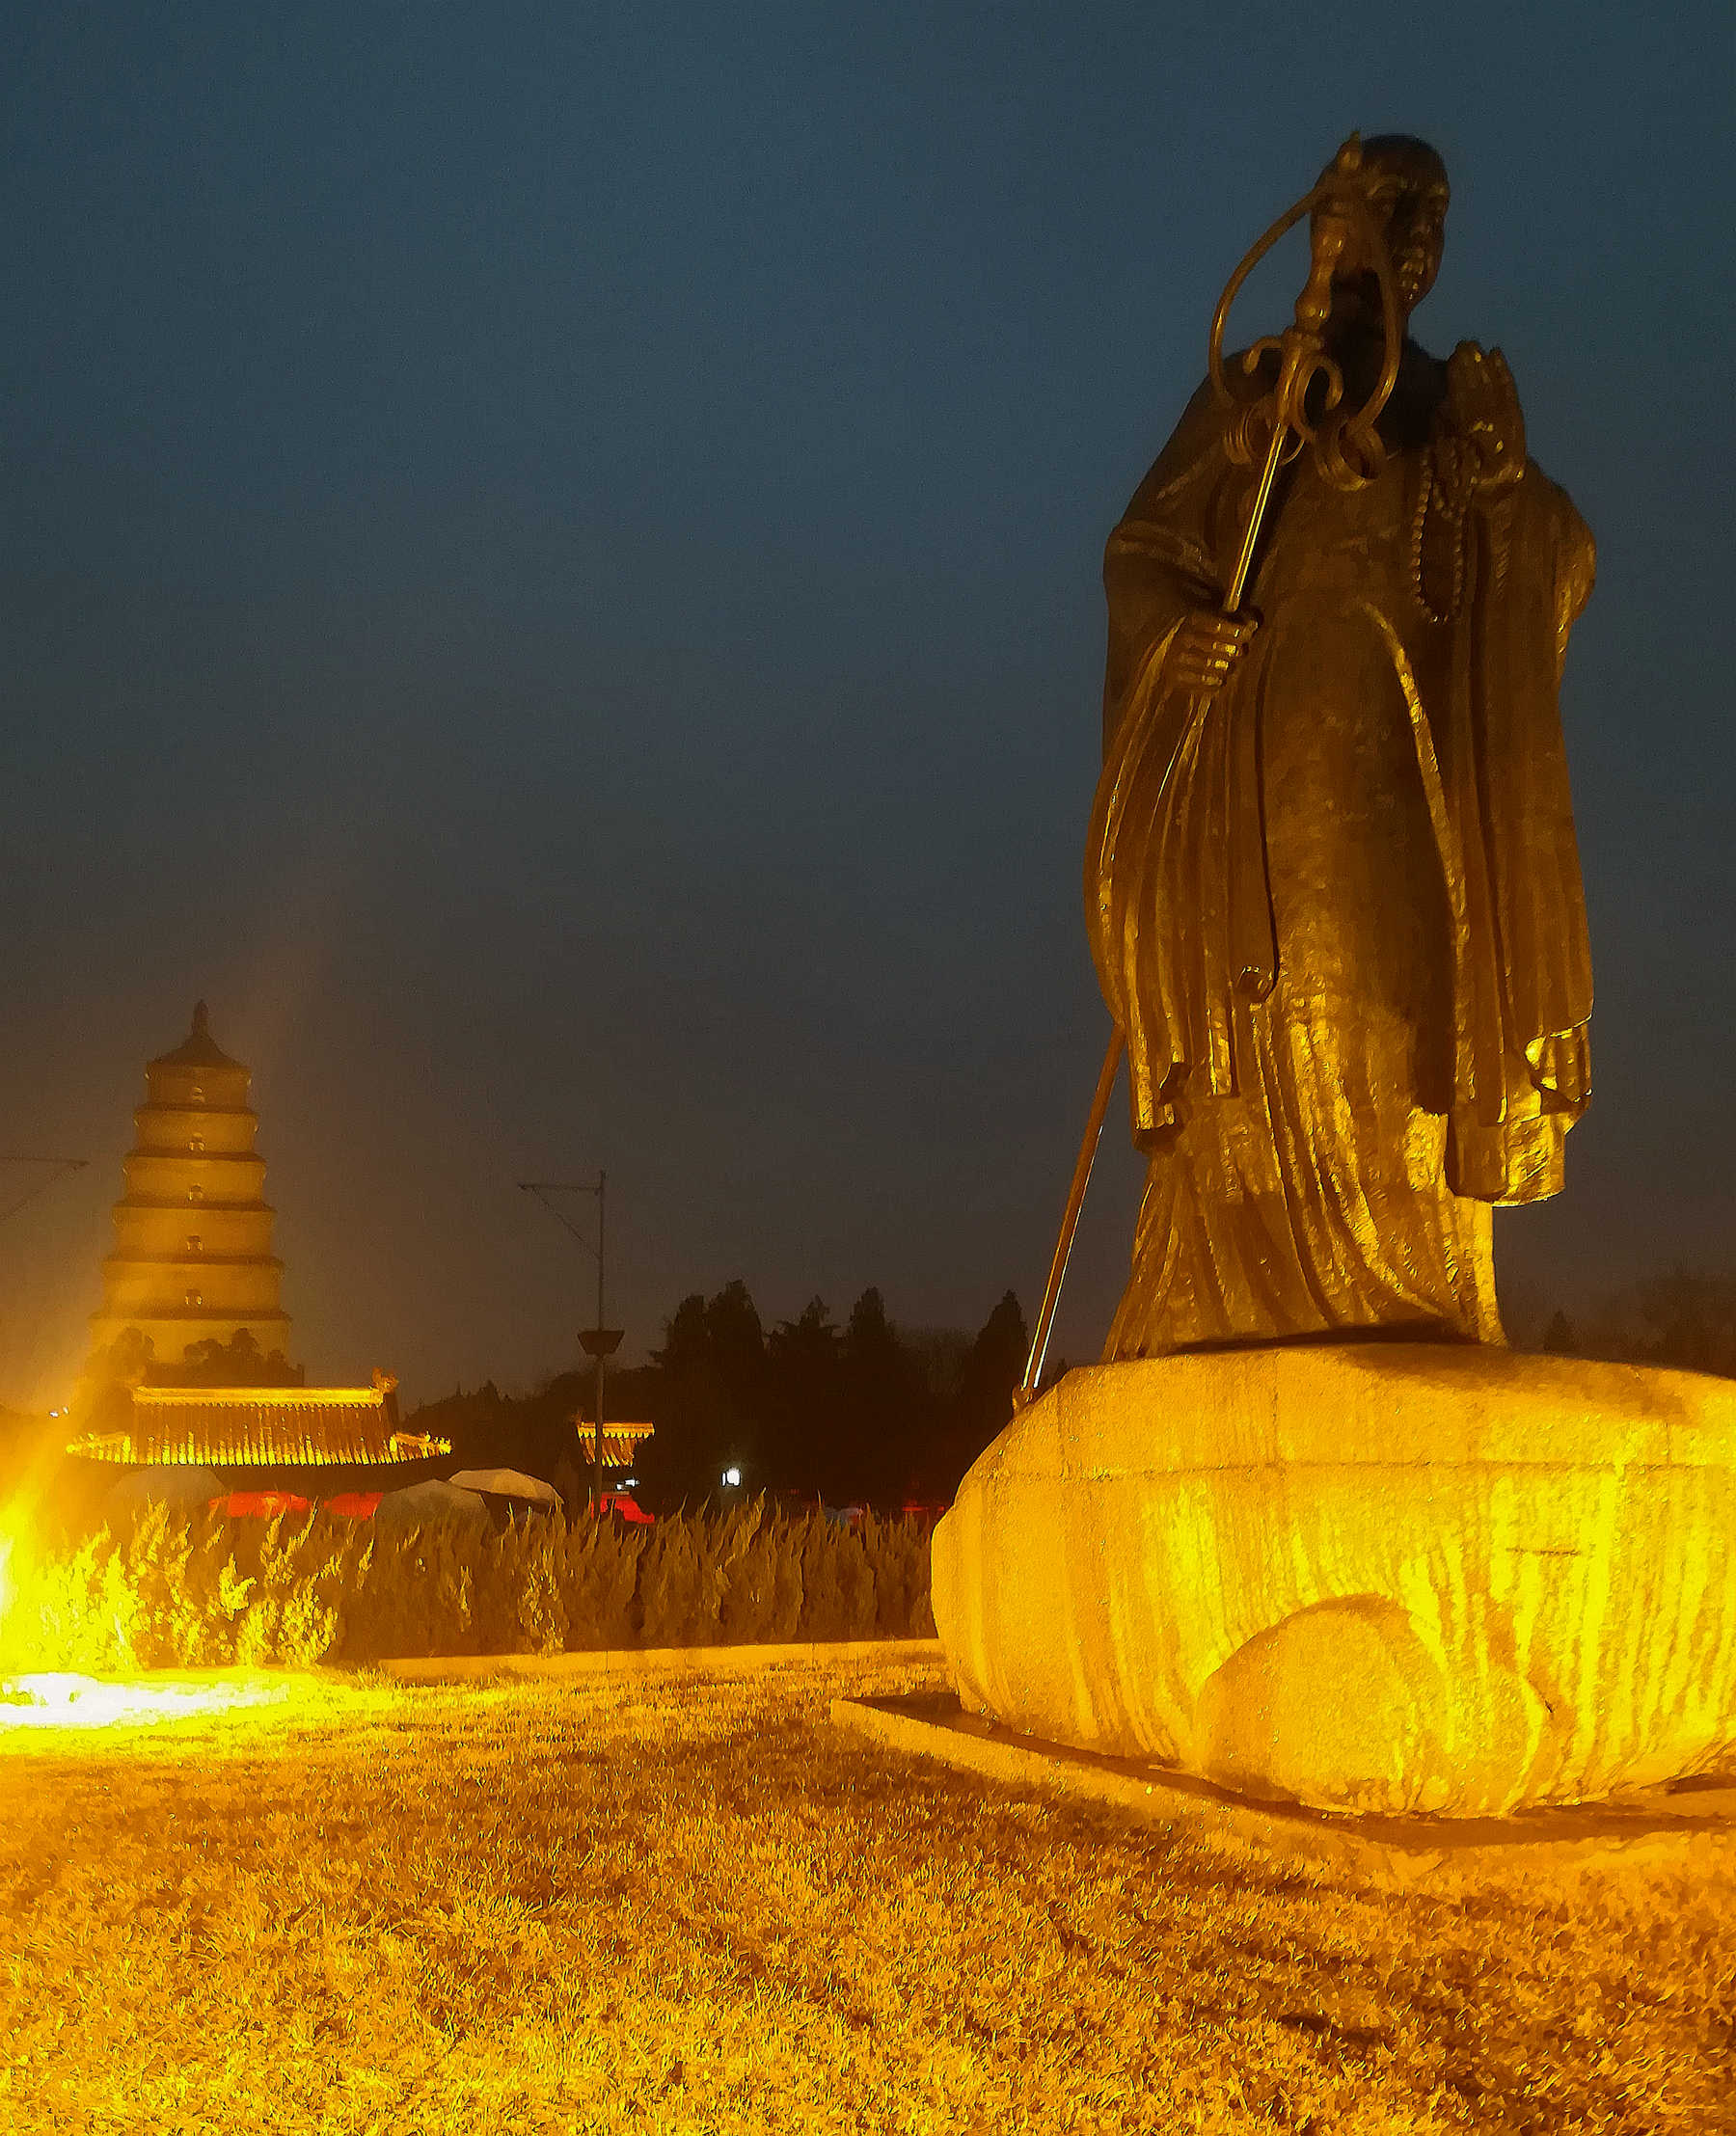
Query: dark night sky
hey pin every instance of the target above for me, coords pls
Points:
(551, 569)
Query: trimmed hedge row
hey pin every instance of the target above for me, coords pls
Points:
(214, 1592)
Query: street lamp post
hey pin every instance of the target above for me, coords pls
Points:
(599, 1344)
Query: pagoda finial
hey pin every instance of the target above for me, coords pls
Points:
(198, 1050)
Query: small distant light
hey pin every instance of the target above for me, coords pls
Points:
(628, 1482)
(732, 1476)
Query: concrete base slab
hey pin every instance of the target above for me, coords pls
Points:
(1690, 1825)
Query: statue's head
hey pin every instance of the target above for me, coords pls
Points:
(1408, 192)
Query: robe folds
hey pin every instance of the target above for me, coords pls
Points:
(1336, 907)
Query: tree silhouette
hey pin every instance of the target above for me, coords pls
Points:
(237, 1363)
(887, 1416)
(1559, 1338)
(851, 1415)
(805, 1389)
(710, 1400)
(983, 1405)
(1684, 1319)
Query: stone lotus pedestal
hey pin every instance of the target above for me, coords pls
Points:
(1367, 1576)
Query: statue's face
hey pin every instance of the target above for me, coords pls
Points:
(1408, 192)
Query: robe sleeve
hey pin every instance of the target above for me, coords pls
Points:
(1535, 575)
(1544, 562)
(1160, 560)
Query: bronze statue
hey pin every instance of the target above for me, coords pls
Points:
(1332, 883)
(1336, 908)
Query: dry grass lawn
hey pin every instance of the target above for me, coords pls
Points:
(692, 1905)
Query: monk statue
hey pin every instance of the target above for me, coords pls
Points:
(1332, 883)
(1334, 899)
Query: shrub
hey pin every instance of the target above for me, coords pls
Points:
(293, 1599)
(899, 1552)
(598, 1568)
(763, 1601)
(520, 1608)
(838, 1582)
(75, 1612)
(417, 1595)
(201, 1590)
(685, 1576)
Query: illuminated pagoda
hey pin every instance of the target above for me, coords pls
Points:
(188, 1364)
(193, 1259)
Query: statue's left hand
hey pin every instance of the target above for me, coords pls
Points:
(1561, 1067)
(1484, 412)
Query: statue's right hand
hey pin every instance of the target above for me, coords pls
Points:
(1205, 646)
(1483, 404)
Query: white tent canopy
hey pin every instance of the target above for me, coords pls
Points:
(420, 1505)
(508, 1483)
(167, 1486)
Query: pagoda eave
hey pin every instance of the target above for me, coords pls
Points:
(162, 1149)
(196, 1209)
(191, 1109)
(120, 1261)
(175, 1314)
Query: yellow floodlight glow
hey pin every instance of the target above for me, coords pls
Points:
(55, 1699)
(58, 1624)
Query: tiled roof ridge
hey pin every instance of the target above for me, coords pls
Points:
(301, 1397)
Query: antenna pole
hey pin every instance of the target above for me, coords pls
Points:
(56, 1168)
(602, 1355)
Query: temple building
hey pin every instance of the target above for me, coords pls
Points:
(261, 1428)
(188, 1366)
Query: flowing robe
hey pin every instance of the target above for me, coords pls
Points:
(1336, 907)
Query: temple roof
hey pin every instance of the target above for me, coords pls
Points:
(250, 1426)
(198, 1050)
(621, 1442)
